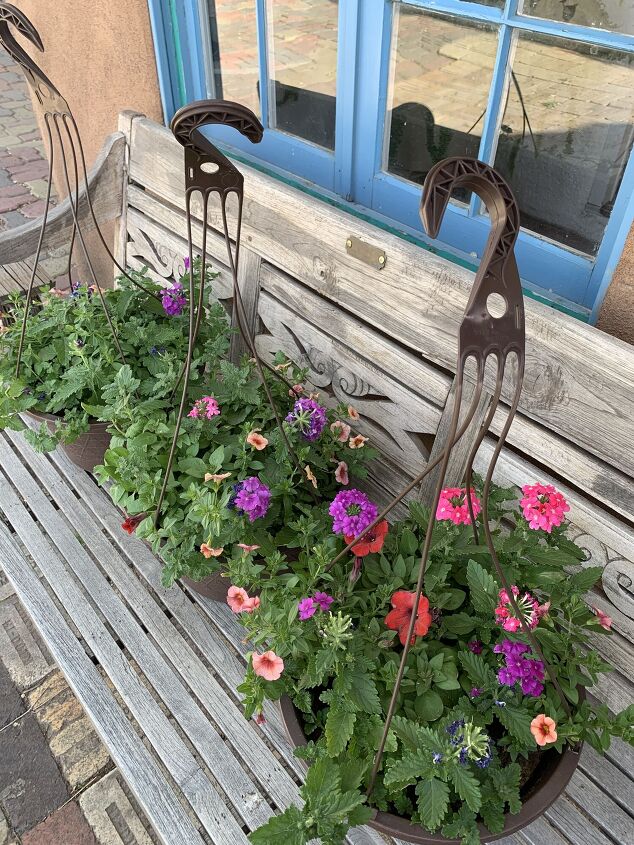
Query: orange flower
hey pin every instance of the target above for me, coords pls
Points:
(208, 552)
(353, 414)
(357, 442)
(543, 729)
(399, 619)
(256, 440)
(268, 665)
(216, 477)
(341, 430)
(310, 476)
(372, 540)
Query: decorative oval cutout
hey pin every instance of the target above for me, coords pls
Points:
(496, 305)
(209, 167)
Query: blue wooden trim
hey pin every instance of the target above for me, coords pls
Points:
(191, 47)
(165, 56)
(263, 64)
(348, 28)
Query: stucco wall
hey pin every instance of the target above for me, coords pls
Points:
(617, 313)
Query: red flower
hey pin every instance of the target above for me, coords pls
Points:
(399, 618)
(130, 523)
(371, 541)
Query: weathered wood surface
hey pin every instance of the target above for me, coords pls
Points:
(181, 659)
(575, 385)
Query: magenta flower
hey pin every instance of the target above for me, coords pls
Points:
(543, 506)
(519, 667)
(252, 497)
(453, 505)
(475, 646)
(323, 600)
(307, 608)
(206, 407)
(309, 417)
(527, 605)
(352, 512)
(173, 300)
(186, 262)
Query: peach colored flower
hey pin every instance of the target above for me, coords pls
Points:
(208, 552)
(353, 414)
(313, 396)
(296, 390)
(341, 430)
(237, 598)
(216, 477)
(268, 665)
(543, 729)
(283, 366)
(258, 441)
(310, 476)
(58, 292)
(246, 548)
(341, 473)
(251, 604)
(357, 442)
(603, 619)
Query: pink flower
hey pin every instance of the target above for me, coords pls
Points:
(208, 552)
(251, 604)
(527, 606)
(296, 390)
(353, 414)
(341, 473)
(206, 407)
(453, 505)
(543, 506)
(216, 477)
(357, 442)
(256, 440)
(246, 548)
(306, 608)
(543, 729)
(259, 719)
(268, 665)
(237, 597)
(130, 523)
(603, 619)
(341, 430)
(323, 600)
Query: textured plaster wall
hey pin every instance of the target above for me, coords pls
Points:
(617, 313)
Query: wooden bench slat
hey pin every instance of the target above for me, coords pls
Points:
(601, 808)
(609, 778)
(570, 821)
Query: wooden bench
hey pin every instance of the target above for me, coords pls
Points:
(156, 669)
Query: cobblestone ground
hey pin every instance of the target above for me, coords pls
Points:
(58, 785)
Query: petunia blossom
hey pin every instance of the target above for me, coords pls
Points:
(341, 430)
(453, 505)
(357, 442)
(237, 597)
(399, 618)
(246, 548)
(268, 665)
(543, 506)
(216, 477)
(257, 440)
(341, 473)
(130, 523)
(251, 604)
(207, 551)
(371, 541)
(323, 600)
(544, 729)
(603, 619)
(306, 608)
(353, 414)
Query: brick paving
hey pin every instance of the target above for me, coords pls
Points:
(58, 785)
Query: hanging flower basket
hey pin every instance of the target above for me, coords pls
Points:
(87, 450)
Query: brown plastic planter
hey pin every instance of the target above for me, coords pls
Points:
(213, 587)
(554, 772)
(88, 450)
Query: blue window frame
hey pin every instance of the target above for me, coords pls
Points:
(400, 83)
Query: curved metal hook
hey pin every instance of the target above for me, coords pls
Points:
(482, 332)
(41, 85)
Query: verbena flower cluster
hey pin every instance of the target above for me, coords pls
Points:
(252, 497)
(520, 667)
(543, 506)
(309, 416)
(173, 300)
(352, 513)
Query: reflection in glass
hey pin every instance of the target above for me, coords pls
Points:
(566, 135)
(615, 15)
(303, 68)
(233, 51)
(440, 77)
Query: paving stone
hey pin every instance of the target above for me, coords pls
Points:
(31, 787)
(35, 209)
(113, 817)
(12, 705)
(7, 837)
(38, 187)
(67, 826)
(23, 652)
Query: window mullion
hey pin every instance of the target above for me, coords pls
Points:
(347, 41)
(263, 60)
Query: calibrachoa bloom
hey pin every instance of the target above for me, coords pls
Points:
(543, 506)
(309, 417)
(527, 605)
(341, 430)
(208, 552)
(296, 390)
(323, 600)
(130, 523)
(206, 407)
(519, 667)
(372, 540)
(341, 473)
(258, 441)
(453, 505)
(252, 498)
(268, 665)
(240, 602)
(357, 442)
(353, 414)
(306, 608)
(544, 729)
(352, 512)
(216, 477)
(399, 618)
(173, 300)
(603, 619)
(246, 548)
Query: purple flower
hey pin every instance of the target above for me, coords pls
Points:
(520, 668)
(463, 757)
(252, 498)
(437, 758)
(173, 300)
(352, 512)
(323, 600)
(307, 608)
(475, 692)
(500, 703)
(80, 343)
(186, 262)
(475, 646)
(309, 417)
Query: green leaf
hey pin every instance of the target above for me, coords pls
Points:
(459, 623)
(585, 579)
(195, 467)
(412, 735)
(467, 786)
(412, 766)
(363, 692)
(484, 590)
(339, 727)
(281, 830)
(429, 706)
(517, 722)
(408, 544)
(433, 800)
(477, 668)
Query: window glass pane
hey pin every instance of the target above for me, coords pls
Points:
(615, 15)
(303, 68)
(566, 136)
(234, 51)
(440, 78)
